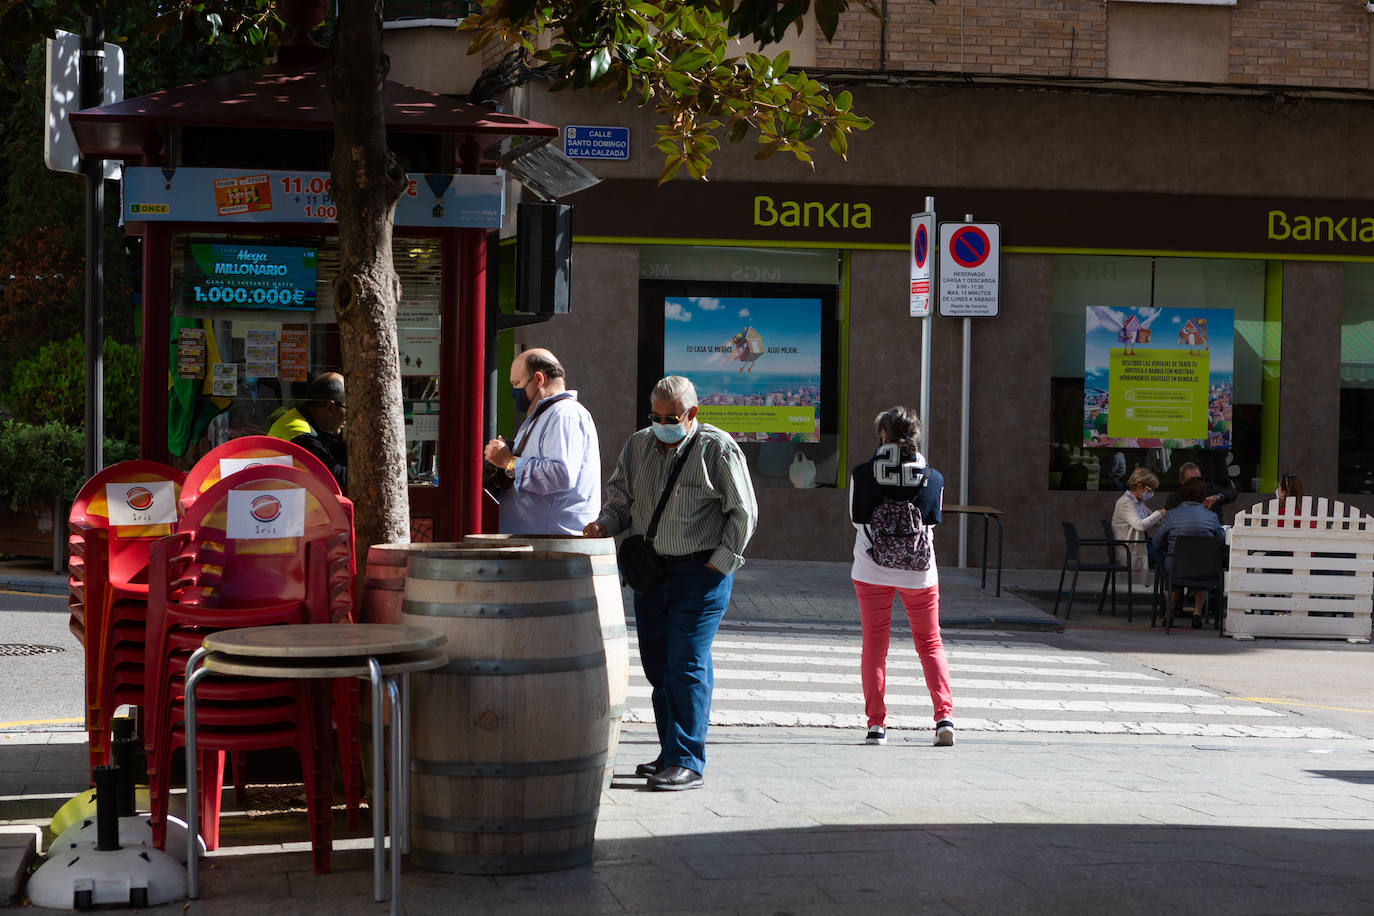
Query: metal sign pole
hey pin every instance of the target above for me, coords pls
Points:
(966, 383)
(927, 326)
(92, 92)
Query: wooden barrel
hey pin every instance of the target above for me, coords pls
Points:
(610, 609)
(508, 740)
(385, 585)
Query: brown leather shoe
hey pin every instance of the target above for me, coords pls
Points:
(675, 779)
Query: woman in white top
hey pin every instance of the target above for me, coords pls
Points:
(1133, 521)
(894, 499)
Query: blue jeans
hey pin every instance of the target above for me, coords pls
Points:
(676, 622)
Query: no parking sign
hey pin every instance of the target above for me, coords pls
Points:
(970, 268)
(922, 227)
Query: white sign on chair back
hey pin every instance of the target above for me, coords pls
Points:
(266, 513)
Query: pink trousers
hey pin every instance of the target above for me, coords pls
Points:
(923, 611)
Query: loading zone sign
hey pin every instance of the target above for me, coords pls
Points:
(970, 269)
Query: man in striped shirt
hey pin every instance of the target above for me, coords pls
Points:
(701, 534)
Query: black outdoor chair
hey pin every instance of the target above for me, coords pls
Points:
(1109, 566)
(1122, 549)
(1197, 562)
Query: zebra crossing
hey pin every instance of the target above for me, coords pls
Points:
(1003, 682)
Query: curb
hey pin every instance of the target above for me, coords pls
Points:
(50, 585)
(1050, 624)
(17, 850)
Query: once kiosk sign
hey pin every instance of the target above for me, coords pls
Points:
(970, 269)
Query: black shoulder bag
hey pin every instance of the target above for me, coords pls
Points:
(495, 478)
(640, 565)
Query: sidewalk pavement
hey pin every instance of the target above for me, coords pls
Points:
(814, 823)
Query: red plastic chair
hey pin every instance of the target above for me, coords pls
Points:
(270, 544)
(209, 470)
(114, 519)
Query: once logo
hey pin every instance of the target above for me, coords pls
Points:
(252, 464)
(265, 508)
(139, 498)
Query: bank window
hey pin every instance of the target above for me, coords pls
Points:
(762, 352)
(253, 321)
(1160, 361)
(1355, 465)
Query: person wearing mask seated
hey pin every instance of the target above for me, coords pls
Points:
(316, 424)
(1192, 517)
(1133, 521)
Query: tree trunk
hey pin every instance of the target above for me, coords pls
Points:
(367, 180)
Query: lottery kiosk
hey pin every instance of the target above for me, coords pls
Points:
(226, 185)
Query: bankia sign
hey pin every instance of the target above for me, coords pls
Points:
(878, 216)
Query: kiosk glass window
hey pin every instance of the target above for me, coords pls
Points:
(1156, 362)
(253, 321)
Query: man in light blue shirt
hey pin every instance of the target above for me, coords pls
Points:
(555, 464)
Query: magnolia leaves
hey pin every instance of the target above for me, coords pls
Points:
(674, 56)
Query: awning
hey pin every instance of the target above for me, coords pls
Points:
(278, 97)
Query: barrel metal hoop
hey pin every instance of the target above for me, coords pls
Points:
(455, 863)
(501, 666)
(387, 585)
(501, 611)
(512, 570)
(503, 825)
(508, 768)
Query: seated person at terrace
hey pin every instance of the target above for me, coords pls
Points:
(1192, 517)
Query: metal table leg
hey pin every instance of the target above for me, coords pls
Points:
(404, 763)
(396, 814)
(374, 670)
(193, 676)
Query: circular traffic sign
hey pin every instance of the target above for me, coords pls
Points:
(969, 246)
(921, 247)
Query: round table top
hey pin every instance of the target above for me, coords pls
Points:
(323, 640)
(342, 666)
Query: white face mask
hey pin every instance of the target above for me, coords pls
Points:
(1278, 494)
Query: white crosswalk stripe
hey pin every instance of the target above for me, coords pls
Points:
(811, 679)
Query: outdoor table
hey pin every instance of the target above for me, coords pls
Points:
(988, 512)
(378, 652)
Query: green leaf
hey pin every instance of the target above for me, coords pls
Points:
(780, 62)
(670, 168)
(810, 130)
(600, 63)
(739, 130)
(844, 100)
(691, 59)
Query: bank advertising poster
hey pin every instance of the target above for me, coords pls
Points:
(1158, 377)
(756, 363)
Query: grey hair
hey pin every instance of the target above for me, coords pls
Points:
(675, 388)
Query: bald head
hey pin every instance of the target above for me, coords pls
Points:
(540, 368)
(324, 401)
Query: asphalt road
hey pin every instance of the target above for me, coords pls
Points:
(42, 680)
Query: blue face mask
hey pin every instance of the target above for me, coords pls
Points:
(669, 433)
(522, 400)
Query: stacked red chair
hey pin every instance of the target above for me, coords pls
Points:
(255, 451)
(267, 545)
(115, 518)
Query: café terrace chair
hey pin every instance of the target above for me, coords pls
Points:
(1109, 566)
(1197, 562)
(1122, 549)
(114, 519)
(220, 571)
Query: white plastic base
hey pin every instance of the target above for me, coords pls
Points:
(82, 877)
(133, 831)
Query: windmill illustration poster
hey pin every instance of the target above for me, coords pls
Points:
(756, 363)
(1157, 377)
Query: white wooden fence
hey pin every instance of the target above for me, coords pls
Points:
(1308, 572)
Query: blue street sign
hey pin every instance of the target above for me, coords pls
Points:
(581, 141)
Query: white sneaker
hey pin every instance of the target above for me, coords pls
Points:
(877, 735)
(944, 733)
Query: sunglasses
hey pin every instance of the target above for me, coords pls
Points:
(671, 421)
